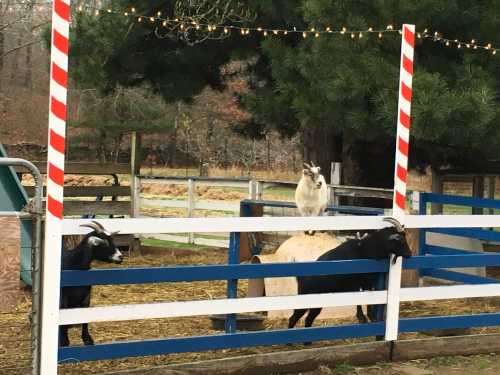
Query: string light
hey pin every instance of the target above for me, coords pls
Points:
(473, 44)
(317, 32)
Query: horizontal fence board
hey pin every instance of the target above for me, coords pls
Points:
(461, 201)
(452, 261)
(199, 205)
(352, 210)
(84, 168)
(88, 191)
(257, 304)
(78, 208)
(432, 293)
(218, 272)
(247, 339)
(441, 250)
(448, 322)
(199, 181)
(277, 224)
(214, 342)
(480, 234)
(217, 306)
(256, 271)
(459, 277)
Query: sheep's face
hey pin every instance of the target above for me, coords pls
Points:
(104, 249)
(313, 174)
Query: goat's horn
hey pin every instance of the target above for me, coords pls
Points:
(113, 233)
(394, 222)
(98, 224)
(307, 166)
(312, 163)
(92, 226)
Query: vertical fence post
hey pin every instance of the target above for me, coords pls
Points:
(232, 285)
(252, 190)
(191, 205)
(335, 178)
(136, 197)
(422, 210)
(400, 173)
(259, 190)
(51, 261)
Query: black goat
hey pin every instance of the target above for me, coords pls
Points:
(97, 245)
(377, 245)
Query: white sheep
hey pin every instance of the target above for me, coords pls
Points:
(311, 195)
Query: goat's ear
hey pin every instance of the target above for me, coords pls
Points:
(96, 241)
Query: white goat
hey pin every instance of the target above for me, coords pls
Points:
(311, 195)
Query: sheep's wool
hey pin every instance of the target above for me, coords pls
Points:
(299, 248)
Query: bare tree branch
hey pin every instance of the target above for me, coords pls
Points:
(20, 47)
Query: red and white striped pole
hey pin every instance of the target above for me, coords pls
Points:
(403, 125)
(400, 172)
(55, 184)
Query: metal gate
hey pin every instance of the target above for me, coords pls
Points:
(19, 312)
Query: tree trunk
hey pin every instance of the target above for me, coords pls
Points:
(319, 145)
(2, 43)
(351, 170)
(29, 49)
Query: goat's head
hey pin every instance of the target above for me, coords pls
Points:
(312, 172)
(383, 243)
(102, 244)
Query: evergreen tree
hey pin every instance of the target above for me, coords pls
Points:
(339, 93)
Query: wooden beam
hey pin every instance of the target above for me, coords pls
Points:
(78, 208)
(477, 192)
(437, 188)
(405, 350)
(88, 191)
(84, 168)
(293, 361)
(305, 360)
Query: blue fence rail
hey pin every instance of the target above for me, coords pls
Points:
(246, 271)
(475, 233)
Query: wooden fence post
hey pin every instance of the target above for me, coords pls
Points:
(437, 188)
(335, 178)
(191, 205)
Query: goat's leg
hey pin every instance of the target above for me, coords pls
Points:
(86, 338)
(360, 315)
(297, 314)
(313, 313)
(63, 336)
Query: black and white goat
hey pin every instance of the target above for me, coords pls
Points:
(377, 245)
(96, 245)
(311, 195)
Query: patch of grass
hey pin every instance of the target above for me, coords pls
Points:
(481, 363)
(344, 368)
(170, 244)
(444, 361)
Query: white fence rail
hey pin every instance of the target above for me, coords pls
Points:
(245, 305)
(255, 189)
(277, 224)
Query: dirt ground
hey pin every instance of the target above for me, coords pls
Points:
(14, 334)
